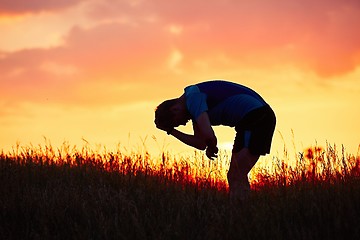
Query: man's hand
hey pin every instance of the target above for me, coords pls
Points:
(166, 129)
(211, 152)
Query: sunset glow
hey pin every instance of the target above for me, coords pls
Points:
(96, 69)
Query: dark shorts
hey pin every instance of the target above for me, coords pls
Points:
(255, 131)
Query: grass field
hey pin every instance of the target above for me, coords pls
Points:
(81, 193)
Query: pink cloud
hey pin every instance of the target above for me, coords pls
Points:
(318, 36)
(117, 46)
(25, 6)
(112, 54)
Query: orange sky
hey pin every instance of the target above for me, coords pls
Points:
(96, 69)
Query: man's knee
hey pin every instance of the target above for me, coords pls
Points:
(244, 160)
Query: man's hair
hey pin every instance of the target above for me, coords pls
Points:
(163, 114)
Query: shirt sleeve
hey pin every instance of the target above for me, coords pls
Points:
(195, 101)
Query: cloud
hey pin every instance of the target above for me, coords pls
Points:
(315, 35)
(132, 44)
(10, 7)
(101, 60)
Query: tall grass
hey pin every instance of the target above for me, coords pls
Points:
(86, 193)
(314, 165)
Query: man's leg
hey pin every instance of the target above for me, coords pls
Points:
(241, 164)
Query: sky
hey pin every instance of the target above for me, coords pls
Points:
(92, 72)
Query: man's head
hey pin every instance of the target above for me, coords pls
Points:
(171, 113)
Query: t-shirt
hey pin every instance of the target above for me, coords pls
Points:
(225, 102)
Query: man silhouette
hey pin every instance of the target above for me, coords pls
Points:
(225, 103)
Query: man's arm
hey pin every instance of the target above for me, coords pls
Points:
(191, 140)
(203, 138)
(204, 129)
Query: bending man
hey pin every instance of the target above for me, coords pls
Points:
(225, 103)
